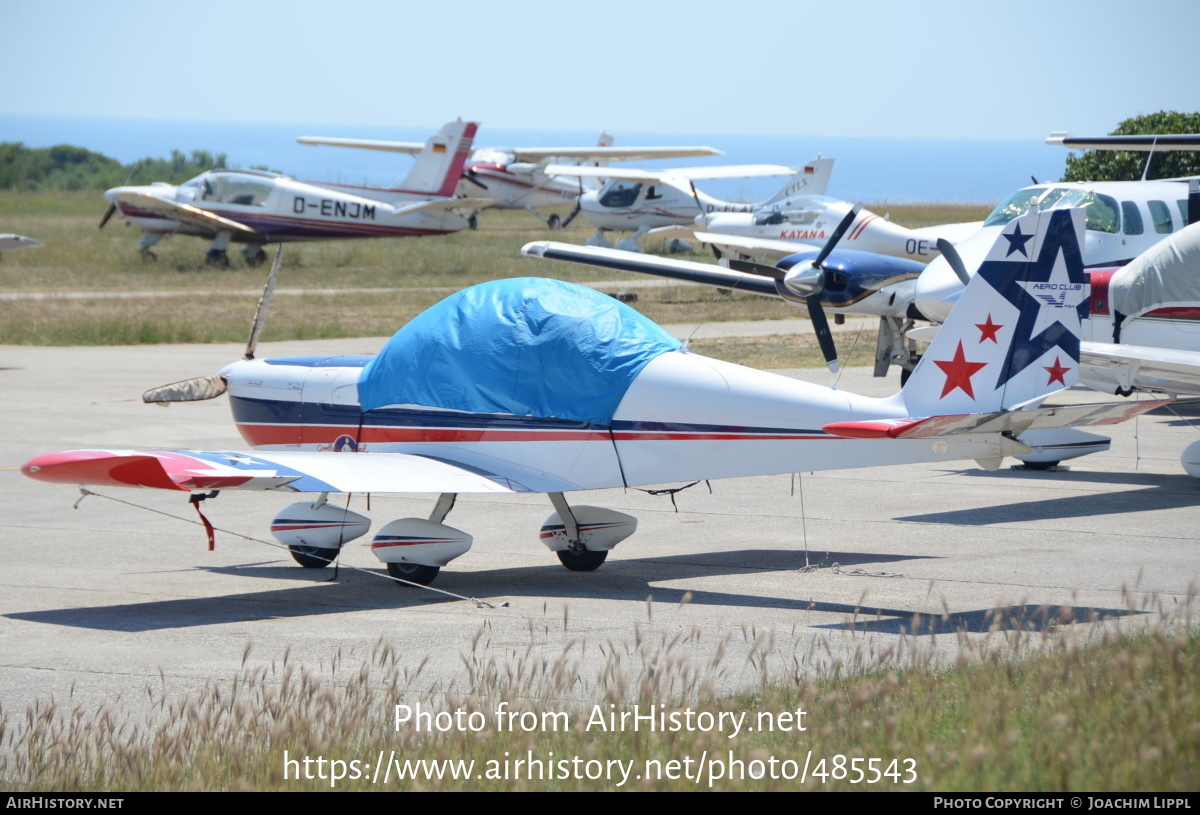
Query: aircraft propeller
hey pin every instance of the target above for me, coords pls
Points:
(108, 213)
(199, 388)
(954, 259)
(807, 280)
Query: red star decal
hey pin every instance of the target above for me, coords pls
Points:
(1057, 372)
(987, 331)
(959, 372)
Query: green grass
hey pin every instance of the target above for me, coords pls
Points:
(78, 257)
(1121, 713)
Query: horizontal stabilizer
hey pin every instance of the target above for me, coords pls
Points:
(409, 147)
(445, 204)
(1013, 422)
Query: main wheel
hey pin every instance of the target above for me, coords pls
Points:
(582, 561)
(313, 557)
(413, 573)
(257, 259)
(554, 222)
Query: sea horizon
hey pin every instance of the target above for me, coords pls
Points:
(868, 169)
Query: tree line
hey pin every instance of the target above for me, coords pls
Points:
(66, 167)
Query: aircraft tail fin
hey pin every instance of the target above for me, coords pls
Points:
(439, 165)
(811, 179)
(1013, 336)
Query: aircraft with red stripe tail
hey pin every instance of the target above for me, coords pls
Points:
(540, 386)
(256, 208)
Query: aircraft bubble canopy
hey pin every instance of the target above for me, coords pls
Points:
(524, 347)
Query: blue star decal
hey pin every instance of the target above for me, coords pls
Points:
(1058, 271)
(1017, 241)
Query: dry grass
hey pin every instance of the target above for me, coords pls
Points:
(1028, 707)
(78, 257)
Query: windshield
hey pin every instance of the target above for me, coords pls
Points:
(1102, 211)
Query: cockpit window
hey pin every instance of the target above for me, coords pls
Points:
(1132, 217)
(221, 188)
(1160, 213)
(621, 194)
(1102, 212)
(1012, 206)
(773, 218)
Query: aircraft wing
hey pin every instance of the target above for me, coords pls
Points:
(185, 213)
(684, 173)
(1013, 422)
(1109, 367)
(649, 264)
(1157, 144)
(596, 153)
(410, 147)
(9, 242)
(765, 248)
(287, 471)
(445, 204)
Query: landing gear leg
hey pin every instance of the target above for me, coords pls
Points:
(216, 254)
(148, 240)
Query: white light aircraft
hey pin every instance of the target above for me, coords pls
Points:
(10, 242)
(257, 208)
(515, 178)
(531, 385)
(642, 200)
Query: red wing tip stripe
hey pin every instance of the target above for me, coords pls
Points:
(877, 429)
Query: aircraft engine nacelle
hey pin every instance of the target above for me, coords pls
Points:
(419, 541)
(321, 526)
(600, 529)
(851, 280)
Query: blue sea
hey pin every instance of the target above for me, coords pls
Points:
(876, 169)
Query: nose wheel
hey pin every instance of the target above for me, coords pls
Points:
(583, 560)
(413, 572)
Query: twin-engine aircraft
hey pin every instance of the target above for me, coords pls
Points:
(257, 208)
(533, 385)
(515, 178)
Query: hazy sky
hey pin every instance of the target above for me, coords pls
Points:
(1015, 69)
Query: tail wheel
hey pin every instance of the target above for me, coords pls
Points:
(584, 560)
(414, 573)
(313, 557)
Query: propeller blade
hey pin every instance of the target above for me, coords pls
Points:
(837, 235)
(108, 213)
(260, 314)
(824, 335)
(954, 259)
(196, 389)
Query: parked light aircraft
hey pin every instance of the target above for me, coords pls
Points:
(10, 242)
(515, 178)
(641, 200)
(257, 208)
(532, 385)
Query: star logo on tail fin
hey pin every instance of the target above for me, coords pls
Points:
(1050, 292)
(988, 329)
(958, 373)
